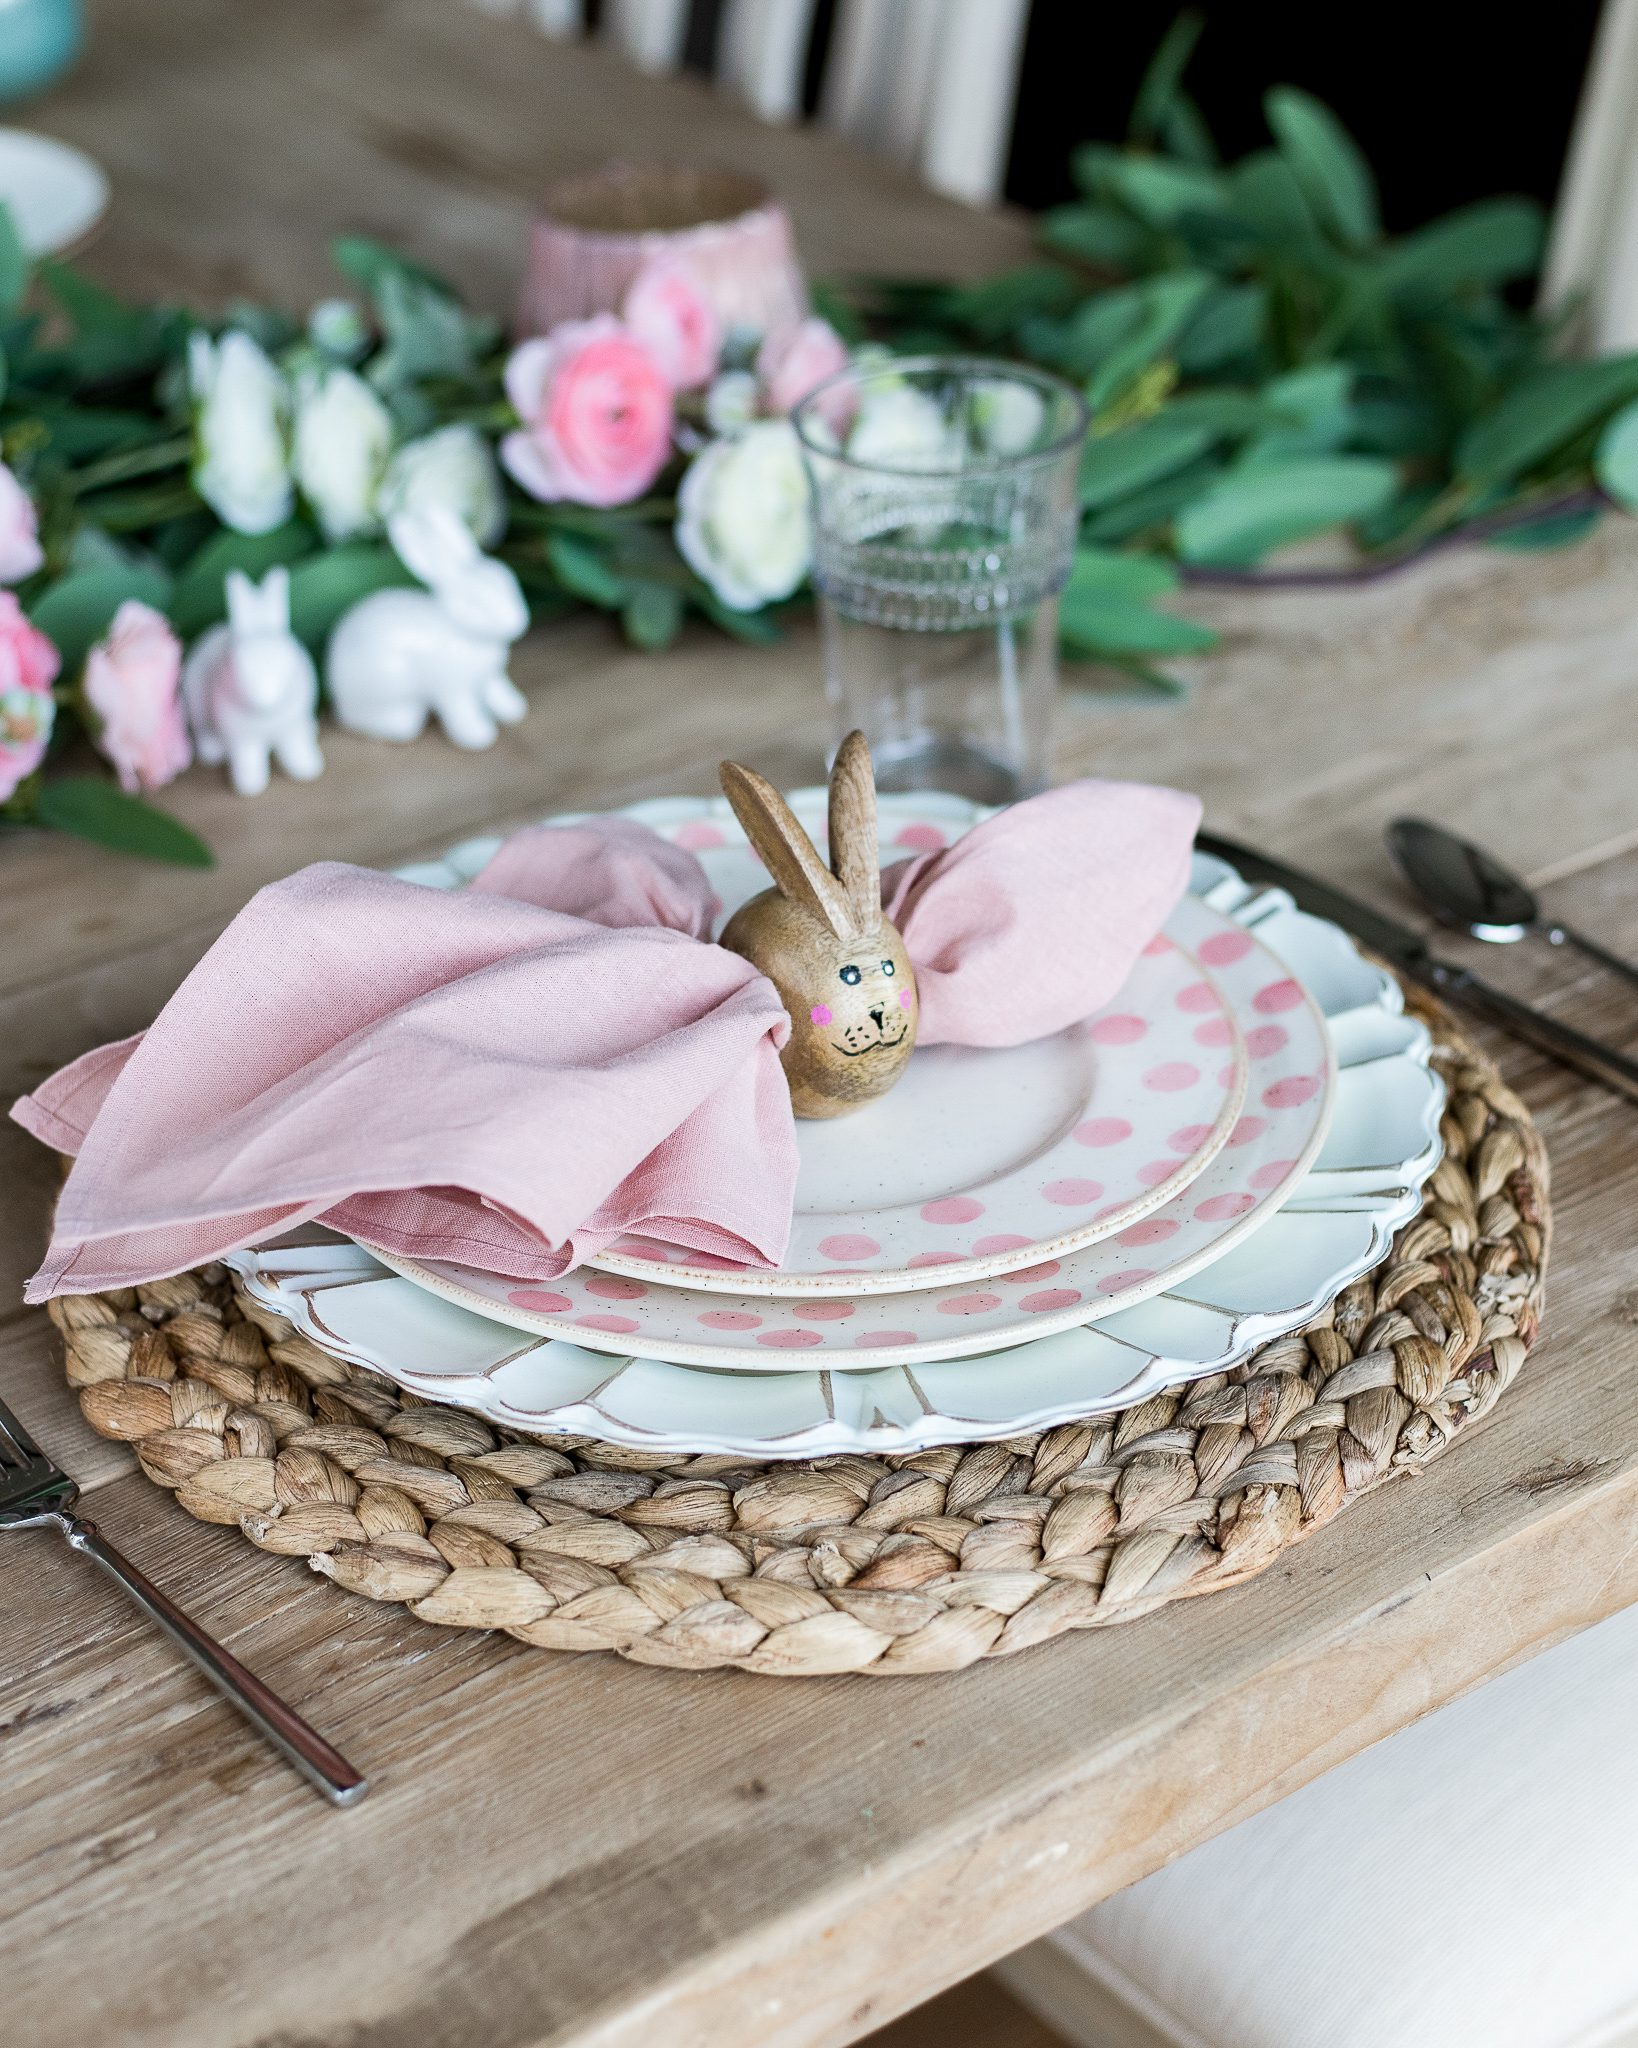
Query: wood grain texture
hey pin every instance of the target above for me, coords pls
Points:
(580, 1853)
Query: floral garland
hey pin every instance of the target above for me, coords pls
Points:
(643, 463)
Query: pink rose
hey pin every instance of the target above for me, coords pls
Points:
(670, 314)
(28, 666)
(20, 553)
(131, 679)
(596, 413)
(793, 360)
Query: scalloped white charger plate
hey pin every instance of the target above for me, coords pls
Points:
(1338, 1222)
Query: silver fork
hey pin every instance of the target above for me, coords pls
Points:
(34, 1491)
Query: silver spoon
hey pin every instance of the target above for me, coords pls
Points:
(1466, 887)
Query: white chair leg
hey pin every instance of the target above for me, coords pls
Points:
(649, 32)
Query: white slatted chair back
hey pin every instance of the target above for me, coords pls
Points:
(933, 83)
(1593, 253)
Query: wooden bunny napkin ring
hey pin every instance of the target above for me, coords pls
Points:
(820, 936)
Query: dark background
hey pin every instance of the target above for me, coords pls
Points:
(1450, 102)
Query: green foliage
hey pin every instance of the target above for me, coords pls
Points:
(1265, 363)
(92, 809)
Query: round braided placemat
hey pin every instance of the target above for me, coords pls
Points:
(920, 1563)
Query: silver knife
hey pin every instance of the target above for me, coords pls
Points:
(1411, 954)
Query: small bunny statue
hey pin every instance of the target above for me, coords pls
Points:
(250, 688)
(401, 653)
(820, 936)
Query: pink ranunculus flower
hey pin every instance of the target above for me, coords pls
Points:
(20, 551)
(666, 308)
(28, 667)
(131, 683)
(793, 360)
(596, 412)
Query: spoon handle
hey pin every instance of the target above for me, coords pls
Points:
(1564, 935)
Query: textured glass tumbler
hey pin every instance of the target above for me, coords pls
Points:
(944, 525)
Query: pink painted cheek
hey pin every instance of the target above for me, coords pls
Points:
(904, 999)
(821, 1013)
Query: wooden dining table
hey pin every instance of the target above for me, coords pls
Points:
(578, 1850)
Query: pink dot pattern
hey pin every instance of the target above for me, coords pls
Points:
(1292, 1056)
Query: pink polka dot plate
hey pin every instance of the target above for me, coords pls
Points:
(1271, 1271)
(1272, 1138)
(978, 1161)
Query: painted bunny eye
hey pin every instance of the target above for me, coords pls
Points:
(851, 976)
(887, 969)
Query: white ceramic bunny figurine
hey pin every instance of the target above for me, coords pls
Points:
(402, 653)
(251, 690)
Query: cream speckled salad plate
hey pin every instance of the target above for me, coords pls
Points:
(1335, 1222)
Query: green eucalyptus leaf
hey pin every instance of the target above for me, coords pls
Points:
(15, 266)
(995, 307)
(323, 586)
(584, 568)
(1615, 459)
(1492, 242)
(1227, 327)
(1537, 416)
(1155, 505)
(1553, 530)
(1163, 76)
(1113, 465)
(1095, 234)
(652, 616)
(1327, 164)
(1250, 513)
(1118, 576)
(1090, 627)
(756, 629)
(1265, 194)
(199, 599)
(77, 609)
(1160, 190)
(1125, 330)
(91, 809)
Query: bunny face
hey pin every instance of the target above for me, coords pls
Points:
(852, 1003)
(484, 599)
(819, 934)
(481, 595)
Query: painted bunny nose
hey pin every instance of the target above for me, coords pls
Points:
(877, 1016)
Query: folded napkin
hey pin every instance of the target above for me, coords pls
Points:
(512, 1075)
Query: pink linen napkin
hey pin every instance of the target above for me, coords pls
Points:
(512, 1075)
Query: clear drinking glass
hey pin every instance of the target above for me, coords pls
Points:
(944, 525)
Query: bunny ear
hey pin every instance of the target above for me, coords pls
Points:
(787, 852)
(274, 599)
(429, 543)
(240, 593)
(853, 852)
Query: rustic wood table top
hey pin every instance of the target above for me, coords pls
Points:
(584, 1851)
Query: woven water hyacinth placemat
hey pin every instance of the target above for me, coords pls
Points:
(921, 1563)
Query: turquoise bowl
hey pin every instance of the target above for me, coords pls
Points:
(39, 39)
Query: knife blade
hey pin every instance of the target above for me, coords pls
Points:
(1411, 954)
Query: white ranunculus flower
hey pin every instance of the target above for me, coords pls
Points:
(242, 408)
(337, 327)
(743, 522)
(452, 469)
(731, 401)
(901, 428)
(343, 439)
(1008, 415)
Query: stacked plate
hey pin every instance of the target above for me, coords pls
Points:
(1007, 1240)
